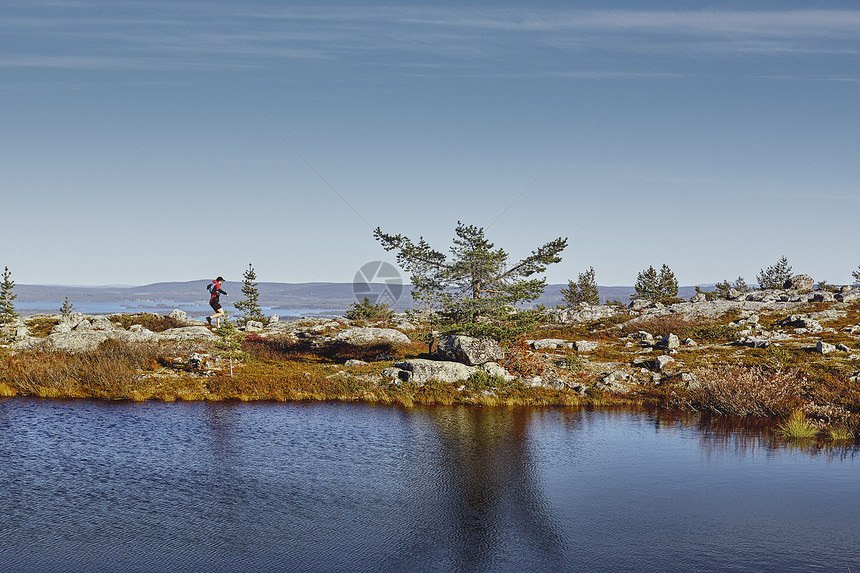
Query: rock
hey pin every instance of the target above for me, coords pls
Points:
(663, 362)
(468, 350)
(848, 296)
(178, 314)
(405, 325)
(615, 381)
(364, 336)
(421, 370)
(547, 343)
(585, 345)
(83, 325)
(842, 348)
(646, 338)
(274, 319)
(801, 321)
(253, 326)
(578, 314)
(21, 333)
(196, 360)
(799, 282)
(187, 333)
(699, 297)
(354, 362)
(690, 342)
(670, 342)
(102, 323)
(495, 369)
(824, 347)
(62, 327)
(822, 296)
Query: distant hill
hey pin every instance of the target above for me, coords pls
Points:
(282, 295)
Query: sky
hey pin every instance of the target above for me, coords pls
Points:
(167, 140)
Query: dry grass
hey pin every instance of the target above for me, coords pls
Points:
(113, 371)
(742, 391)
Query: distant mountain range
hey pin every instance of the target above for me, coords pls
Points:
(281, 295)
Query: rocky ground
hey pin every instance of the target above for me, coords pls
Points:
(588, 350)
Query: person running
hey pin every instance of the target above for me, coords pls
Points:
(215, 300)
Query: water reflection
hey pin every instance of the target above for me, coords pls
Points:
(493, 497)
(347, 487)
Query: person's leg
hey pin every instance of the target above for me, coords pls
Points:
(217, 316)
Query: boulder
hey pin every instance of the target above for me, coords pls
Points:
(661, 363)
(364, 336)
(669, 342)
(494, 369)
(547, 343)
(187, 333)
(585, 345)
(178, 314)
(822, 296)
(824, 347)
(419, 371)
(253, 326)
(579, 314)
(274, 319)
(468, 350)
(799, 282)
(102, 323)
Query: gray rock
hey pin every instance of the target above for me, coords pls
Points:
(848, 296)
(82, 326)
(188, 333)
(495, 369)
(579, 314)
(422, 370)
(799, 282)
(842, 348)
(21, 333)
(669, 342)
(824, 347)
(547, 343)
(822, 296)
(661, 363)
(585, 345)
(274, 319)
(102, 323)
(253, 326)
(354, 362)
(62, 327)
(178, 314)
(362, 336)
(468, 350)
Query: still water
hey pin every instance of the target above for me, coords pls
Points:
(89, 486)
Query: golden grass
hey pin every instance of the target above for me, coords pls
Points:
(797, 427)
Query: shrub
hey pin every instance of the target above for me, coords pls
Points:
(368, 310)
(742, 391)
(153, 322)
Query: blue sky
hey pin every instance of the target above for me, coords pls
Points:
(172, 140)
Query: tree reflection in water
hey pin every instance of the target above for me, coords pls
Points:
(488, 502)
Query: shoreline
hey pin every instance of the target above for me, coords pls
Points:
(764, 360)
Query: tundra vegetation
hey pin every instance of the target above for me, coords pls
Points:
(790, 359)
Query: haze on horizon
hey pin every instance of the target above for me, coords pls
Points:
(165, 141)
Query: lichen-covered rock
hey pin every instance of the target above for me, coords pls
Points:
(799, 282)
(547, 343)
(187, 333)
(468, 350)
(585, 345)
(420, 371)
(363, 336)
(669, 342)
(178, 314)
(824, 347)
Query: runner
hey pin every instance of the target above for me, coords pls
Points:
(215, 300)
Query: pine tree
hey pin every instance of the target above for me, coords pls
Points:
(774, 276)
(646, 285)
(250, 307)
(667, 284)
(67, 307)
(476, 292)
(583, 290)
(741, 285)
(856, 275)
(662, 287)
(7, 308)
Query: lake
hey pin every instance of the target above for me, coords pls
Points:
(94, 486)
